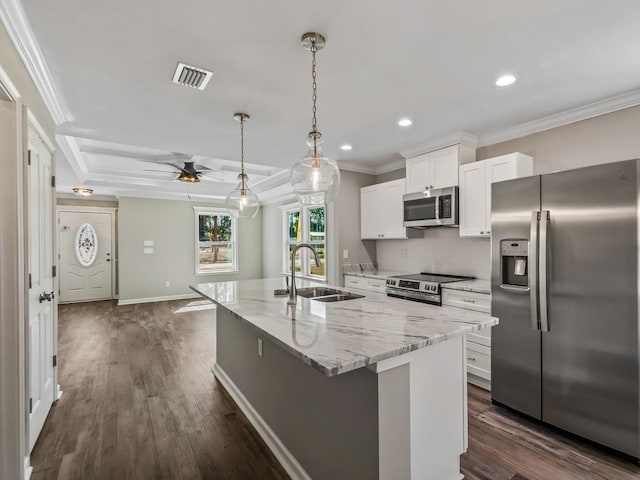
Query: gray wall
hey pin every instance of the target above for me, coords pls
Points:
(392, 175)
(12, 258)
(171, 226)
(272, 241)
(329, 424)
(603, 139)
(347, 224)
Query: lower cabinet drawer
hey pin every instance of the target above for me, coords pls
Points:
(375, 284)
(481, 302)
(351, 281)
(479, 360)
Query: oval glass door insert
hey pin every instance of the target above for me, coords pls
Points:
(86, 244)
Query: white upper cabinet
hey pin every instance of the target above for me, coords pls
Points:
(381, 212)
(437, 169)
(475, 189)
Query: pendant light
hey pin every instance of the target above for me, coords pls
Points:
(315, 178)
(242, 201)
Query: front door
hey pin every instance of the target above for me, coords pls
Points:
(85, 239)
(41, 292)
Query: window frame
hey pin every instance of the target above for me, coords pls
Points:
(305, 259)
(234, 239)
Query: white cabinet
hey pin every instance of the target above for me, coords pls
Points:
(475, 189)
(365, 283)
(381, 212)
(437, 169)
(478, 344)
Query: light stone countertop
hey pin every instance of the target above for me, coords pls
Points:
(477, 285)
(338, 337)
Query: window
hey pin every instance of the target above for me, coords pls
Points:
(216, 242)
(305, 224)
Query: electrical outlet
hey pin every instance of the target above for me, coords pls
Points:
(345, 254)
(167, 284)
(259, 347)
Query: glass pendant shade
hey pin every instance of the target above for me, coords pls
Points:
(242, 201)
(315, 178)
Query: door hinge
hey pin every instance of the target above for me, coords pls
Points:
(29, 280)
(53, 181)
(28, 157)
(53, 271)
(30, 405)
(55, 360)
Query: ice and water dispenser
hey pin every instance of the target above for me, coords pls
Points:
(514, 256)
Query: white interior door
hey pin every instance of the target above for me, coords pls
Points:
(86, 257)
(41, 292)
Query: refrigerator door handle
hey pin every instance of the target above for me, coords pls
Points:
(533, 270)
(542, 269)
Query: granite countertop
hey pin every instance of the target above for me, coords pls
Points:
(338, 337)
(375, 274)
(477, 285)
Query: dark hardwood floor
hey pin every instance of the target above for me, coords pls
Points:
(140, 402)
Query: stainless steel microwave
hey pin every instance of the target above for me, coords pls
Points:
(431, 208)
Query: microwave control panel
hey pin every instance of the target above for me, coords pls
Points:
(445, 206)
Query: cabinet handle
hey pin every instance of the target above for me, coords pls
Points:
(467, 300)
(472, 359)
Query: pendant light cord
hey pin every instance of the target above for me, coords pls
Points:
(314, 97)
(242, 152)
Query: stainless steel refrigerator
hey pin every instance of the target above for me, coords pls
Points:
(564, 285)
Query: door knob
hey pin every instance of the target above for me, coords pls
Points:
(108, 259)
(46, 296)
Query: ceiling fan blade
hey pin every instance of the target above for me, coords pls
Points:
(160, 171)
(207, 178)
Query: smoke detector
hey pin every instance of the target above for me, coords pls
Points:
(190, 76)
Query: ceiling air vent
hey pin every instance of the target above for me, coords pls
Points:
(191, 76)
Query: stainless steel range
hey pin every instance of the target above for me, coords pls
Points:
(421, 287)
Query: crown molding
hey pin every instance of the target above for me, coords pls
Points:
(391, 166)
(463, 138)
(71, 151)
(590, 110)
(372, 169)
(19, 30)
(356, 167)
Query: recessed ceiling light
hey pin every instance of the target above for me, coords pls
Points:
(405, 122)
(346, 147)
(506, 80)
(83, 192)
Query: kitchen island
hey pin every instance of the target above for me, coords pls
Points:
(368, 388)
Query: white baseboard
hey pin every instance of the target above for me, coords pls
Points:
(284, 456)
(28, 469)
(183, 296)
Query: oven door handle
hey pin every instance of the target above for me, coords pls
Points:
(437, 201)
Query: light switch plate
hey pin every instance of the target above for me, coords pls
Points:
(345, 254)
(148, 243)
(148, 251)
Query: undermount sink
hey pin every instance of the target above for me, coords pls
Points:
(312, 292)
(338, 298)
(324, 294)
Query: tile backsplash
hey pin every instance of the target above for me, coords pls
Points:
(440, 251)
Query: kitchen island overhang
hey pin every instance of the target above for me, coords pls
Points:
(320, 411)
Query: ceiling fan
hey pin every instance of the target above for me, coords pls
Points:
(192, 173)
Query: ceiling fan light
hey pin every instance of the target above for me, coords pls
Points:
(188, 177)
